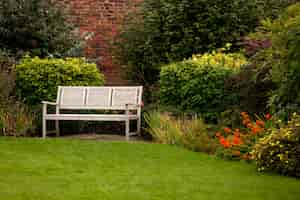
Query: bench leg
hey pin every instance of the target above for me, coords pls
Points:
(127, 124)
(57, 128)
(139, 126)
(44, 128)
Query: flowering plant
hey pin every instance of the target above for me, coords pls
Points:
(221, 57)
(280, 150)
(238, 143)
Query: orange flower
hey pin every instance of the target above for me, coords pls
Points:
(256, 129)
(237, 132)
(249, 125)
(224, 142)
(268, 116)
(227, 130)
(260, 123)
(237, 140)
(244, 114)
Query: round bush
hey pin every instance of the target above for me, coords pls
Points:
(198, 84)
(280, 151)
(38, 79)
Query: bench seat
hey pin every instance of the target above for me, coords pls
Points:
(91, 117)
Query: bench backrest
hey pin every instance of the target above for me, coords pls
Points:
(114, 98)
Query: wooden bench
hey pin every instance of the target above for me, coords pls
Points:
(126, 100)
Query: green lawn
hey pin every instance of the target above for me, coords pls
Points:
(33, 169)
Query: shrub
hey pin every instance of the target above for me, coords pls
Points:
(38, 79)
(37, 26)
(280, 151)
(162, 30)
(281, 60)
(252, 87)
(197, 84)
(15, 117)
(285, 71)
(238, 143)
(191, 134)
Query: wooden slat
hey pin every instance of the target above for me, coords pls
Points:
(72, 96)
(98, 97)
(123, 96)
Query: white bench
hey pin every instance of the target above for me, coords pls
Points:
(126, 100)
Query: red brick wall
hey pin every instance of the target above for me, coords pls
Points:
(101, 17)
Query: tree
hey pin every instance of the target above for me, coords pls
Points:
(36, 26)
(161, 31)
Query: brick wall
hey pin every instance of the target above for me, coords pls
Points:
(101, 17)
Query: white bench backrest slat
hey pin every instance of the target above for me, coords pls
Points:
(72, 96)
(123, 96)
(98, 97)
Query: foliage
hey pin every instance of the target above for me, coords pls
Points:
(252, 87)
(273, 8)
(7, 87)
(238, 143)
(191, 134)
(220, 58)
(15, 117)
(282, 59)
(7, 61)
(280, 151)
(163, 31)
(17, 120)
(254, 45)
(197, 84)
(37, 26)
(285, 50)
(38, 79)
(254, 84)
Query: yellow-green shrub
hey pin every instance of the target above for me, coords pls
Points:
(38, 79)
(197, 84)
(280, 151)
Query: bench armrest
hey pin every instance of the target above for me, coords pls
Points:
(49, 103)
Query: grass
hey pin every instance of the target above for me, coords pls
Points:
(60, 169)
